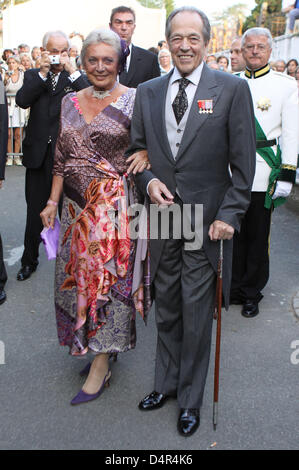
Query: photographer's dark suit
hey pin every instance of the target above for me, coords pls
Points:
(39, 147)
(143, 67)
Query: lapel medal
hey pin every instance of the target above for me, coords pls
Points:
(205, 106)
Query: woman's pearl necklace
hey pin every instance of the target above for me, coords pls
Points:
(100, 95)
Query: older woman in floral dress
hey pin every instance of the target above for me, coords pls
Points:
(100, 282)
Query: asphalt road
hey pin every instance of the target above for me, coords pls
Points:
(259, 381)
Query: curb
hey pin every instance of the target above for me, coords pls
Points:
(296, 305)
(292, 201)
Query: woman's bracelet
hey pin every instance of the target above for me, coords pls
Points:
(52, 203)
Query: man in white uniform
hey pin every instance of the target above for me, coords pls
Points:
(275, 101)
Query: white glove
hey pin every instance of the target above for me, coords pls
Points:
(283, 189)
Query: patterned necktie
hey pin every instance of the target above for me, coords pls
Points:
(180, 103)
(53, 80)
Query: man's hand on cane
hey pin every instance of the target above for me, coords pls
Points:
(221, 231)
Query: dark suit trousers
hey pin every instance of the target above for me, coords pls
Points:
(37, 191)
(250, 271)
(3, 275)
(184, 286)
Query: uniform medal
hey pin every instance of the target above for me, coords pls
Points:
(205, 106)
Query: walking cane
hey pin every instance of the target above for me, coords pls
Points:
(218, 307)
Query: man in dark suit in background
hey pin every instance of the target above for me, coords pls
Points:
(141, 65)
(195, 123)
(3, 150)
(42, 92)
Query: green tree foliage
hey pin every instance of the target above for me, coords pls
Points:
(6, 3)
(274, 6)
(167, 4)
(231, 13)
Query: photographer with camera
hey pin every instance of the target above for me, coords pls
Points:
(42, 91)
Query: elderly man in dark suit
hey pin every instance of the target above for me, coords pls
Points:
(3, 150)
(42, 92)
(195, 123)
(141, 65)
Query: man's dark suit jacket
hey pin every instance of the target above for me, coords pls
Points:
(143, 67)
(3, 130)
(45, 105)
(211, 145)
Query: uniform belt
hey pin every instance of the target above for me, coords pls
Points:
(265, 143)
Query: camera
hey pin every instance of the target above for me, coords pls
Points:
(54, 59)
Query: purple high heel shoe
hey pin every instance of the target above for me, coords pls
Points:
(86, 369)
(83, 397)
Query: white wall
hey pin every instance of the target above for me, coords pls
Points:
(29, 21)
(286, 47)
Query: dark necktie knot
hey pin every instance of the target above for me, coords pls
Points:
(180, 103)
(183, 83)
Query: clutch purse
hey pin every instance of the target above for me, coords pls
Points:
(50, 238)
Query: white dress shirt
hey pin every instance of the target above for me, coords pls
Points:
(190, 90)
(72, 77)
(173, 88)
(128, 60)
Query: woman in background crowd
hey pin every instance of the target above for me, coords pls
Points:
(3, 63)
(36, 54)
(222, 62)
(14, 78)
(6, 54)
(291, 67)
(26, 61)
(164, 58)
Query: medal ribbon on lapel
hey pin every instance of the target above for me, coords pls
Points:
(205, 106)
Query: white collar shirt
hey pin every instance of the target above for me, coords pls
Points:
(190, 90)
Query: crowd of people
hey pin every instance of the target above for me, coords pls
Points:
(125, 126)
(17, 60)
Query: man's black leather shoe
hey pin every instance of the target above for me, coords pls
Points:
(235, 301)
(153, 401)
(2, 296)
(250, 309)
(188, 422)
(25, 272)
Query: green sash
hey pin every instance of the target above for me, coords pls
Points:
(274, 162)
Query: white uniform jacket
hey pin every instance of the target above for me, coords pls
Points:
(275, 101)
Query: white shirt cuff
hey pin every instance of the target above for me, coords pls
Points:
(74, 76)
(153, 179)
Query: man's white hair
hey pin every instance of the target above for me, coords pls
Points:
(164, 51)
(257, 32)
(51, 34)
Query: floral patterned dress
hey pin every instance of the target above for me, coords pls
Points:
(96, 261)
